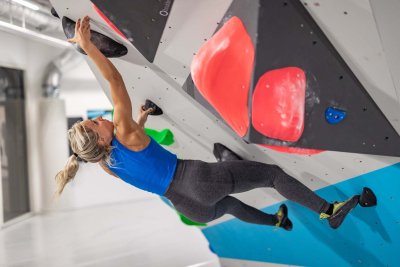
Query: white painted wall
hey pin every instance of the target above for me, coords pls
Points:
(32, 57)
(81, 91)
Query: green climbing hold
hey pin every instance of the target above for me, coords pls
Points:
(188, 221)
(164, 137)
(183, 218)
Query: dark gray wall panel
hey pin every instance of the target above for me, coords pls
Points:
(141, 21)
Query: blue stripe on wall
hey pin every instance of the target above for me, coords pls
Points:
(368, 236)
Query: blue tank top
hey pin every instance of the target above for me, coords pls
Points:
(151, 169)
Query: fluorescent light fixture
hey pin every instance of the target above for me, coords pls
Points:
(33, 35)
(27, 4)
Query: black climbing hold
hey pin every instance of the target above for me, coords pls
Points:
(157, 110)
(334, 115)
(105, 44)
(222, 153)
(54, 12)
(367, 198)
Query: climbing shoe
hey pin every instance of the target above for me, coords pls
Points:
(283, 220)
(340, 211)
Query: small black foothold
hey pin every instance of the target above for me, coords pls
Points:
(222, 153)
(157, 110)
(367, 198)
(54, 12)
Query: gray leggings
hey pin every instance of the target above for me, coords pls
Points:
(201, 191)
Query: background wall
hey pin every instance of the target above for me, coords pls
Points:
(81, 91)
(32, 57)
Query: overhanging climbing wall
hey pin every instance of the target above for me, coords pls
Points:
(293, 90)
(368, 237)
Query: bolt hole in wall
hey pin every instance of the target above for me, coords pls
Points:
(13, 152)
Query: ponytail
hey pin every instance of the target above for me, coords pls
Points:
(84, 144)
(67, 174)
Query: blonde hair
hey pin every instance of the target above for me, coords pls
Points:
(84, 143)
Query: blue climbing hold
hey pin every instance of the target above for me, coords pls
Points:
(334, 115)
(211, 249)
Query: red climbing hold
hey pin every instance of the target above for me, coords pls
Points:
(222, 70)
(279, 103)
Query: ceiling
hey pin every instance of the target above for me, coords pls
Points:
(43, 2)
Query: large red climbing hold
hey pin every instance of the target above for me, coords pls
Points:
(222, 70)
(279, 104)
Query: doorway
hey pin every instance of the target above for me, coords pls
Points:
(13, 147)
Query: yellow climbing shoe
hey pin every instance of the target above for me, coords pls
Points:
(283, 220)
(340, 210)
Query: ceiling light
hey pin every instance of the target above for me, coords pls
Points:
(27, 4)
(33, 35)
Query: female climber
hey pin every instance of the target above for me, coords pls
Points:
(199, 190)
